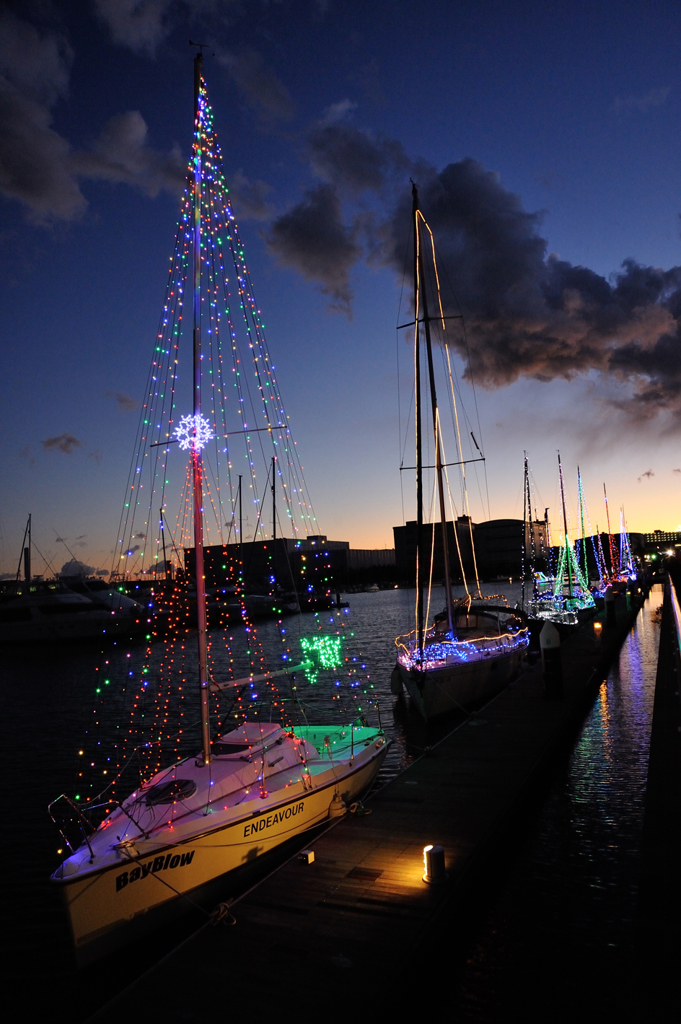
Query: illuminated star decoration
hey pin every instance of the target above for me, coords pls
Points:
(194, 432)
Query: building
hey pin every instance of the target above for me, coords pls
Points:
(498, 545)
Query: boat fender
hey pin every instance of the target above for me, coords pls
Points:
(337, 807)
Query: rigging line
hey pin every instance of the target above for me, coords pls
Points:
(456, 538)
(45, 560)
(432, 558)
(452, 393)
(470, 369)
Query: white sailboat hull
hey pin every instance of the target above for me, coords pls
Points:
(440, 691)
(149, 874)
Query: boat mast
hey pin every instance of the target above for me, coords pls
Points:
(611, 543)
(568, 560)
(525, 566)
(196, 453)
(581, 513)
(420, 560)
(274, 529)
(422, 296)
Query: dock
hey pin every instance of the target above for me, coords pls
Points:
(359, 926)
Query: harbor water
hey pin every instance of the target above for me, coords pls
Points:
(571, 883)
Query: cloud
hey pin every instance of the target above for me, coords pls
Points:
(312, 238)
(138, 24)
(529, 313)
(349, 157)
(338, 111)
(34, 74)
(262, 90)
(249, 197)
(65, 443)
(652, 98)
(124, 402)
(122, 154)
(75, 568)
(38, 167)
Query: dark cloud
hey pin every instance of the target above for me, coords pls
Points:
(313, 239)
(260, 87)
(34, 74)
(249, 197)
(138, 24)
(529, 313)
(122, 155)
(65, 443)
(124, 402)
(354, 159)
(38, 167)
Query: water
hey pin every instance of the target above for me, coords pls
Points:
(588, 835)
(559, 935)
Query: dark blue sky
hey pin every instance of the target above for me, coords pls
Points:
(574, 107)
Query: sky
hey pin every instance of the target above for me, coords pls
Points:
(545, 142)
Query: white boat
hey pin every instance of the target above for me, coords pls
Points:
(37, 610)
(48, 611)
(473, 648)
(200, 819)
(250, 788)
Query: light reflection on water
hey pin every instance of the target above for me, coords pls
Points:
(564, 921)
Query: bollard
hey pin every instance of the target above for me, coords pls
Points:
(610, 617)
(549, 642)
(434, 865)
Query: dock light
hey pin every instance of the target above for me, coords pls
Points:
(434, 864)
(598, 629)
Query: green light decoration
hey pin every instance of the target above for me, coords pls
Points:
(321, 652)
(570, 584)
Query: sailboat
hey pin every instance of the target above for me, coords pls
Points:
(561, 597)
(254, 783)
(473, 648)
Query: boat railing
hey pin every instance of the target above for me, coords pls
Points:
(441, 650)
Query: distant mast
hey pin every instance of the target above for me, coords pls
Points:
(565, 527)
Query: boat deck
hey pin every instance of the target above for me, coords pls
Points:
(353, 923)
